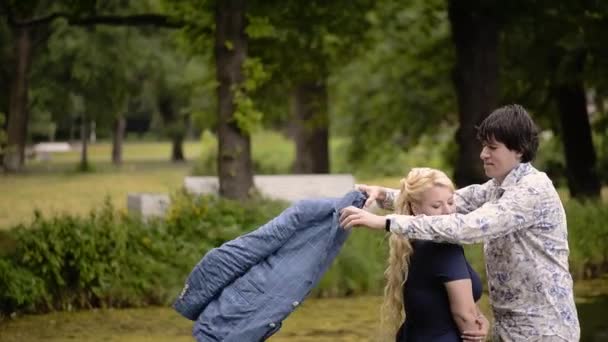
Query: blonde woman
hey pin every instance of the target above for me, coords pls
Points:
(431, 289)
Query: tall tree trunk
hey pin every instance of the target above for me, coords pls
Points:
(234, 156)
(120, 124)
(475, 34)
(583, 180)
(84, 139)
(311, 133)
(14, 156)
(177, 148)
(175, 128)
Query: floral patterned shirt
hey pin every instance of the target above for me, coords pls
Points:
(522, 224)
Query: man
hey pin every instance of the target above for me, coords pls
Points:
(520, 219)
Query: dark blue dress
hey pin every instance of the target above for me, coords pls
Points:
(427, 307)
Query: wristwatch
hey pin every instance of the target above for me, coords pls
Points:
(387, 225)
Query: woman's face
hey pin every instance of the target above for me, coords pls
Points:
(438, 200)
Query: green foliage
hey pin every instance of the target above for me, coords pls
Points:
(400, 88)
(588, 238)
(355, 272)
(19, 287)
(550, 158)
(108, 259)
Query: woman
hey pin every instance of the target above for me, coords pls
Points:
(429, 283)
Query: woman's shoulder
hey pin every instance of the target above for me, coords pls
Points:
(439, 247)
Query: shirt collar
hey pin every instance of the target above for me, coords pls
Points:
(514, 175)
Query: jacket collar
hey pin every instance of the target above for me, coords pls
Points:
(514, 175)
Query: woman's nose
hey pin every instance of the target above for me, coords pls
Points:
(446, 209)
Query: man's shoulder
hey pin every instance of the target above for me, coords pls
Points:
(537, 179)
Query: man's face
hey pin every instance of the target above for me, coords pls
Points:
(498, 160)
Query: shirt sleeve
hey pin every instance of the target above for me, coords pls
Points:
(471, 197)
(450, 263)
(517, 209)
(389, 201)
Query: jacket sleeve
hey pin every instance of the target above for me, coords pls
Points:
(518, 208)
(222, 265)
(471, 197)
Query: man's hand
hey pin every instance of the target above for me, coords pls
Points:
(353, 216)
(373, 192)
(480, 334)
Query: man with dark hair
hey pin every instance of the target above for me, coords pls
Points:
(519, 218)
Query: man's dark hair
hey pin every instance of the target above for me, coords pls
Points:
(512, 126)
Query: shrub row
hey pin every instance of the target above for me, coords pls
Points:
(108, 259)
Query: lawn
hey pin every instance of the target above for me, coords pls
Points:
(319, 320)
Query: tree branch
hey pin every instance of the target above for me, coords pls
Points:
(157, 20)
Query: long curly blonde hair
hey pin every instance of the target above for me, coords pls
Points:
(412, 187)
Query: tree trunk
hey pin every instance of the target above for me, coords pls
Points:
(234, 156)
(84, 140)
(475, 34)
(311, 133)
(583, 180)
(177, 149)
(120, 124)
(14, 156)
(176, 130)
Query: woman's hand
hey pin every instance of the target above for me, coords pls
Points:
(373, 192)
(478, 335)
(353, 216)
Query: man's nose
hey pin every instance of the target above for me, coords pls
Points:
(484, 153)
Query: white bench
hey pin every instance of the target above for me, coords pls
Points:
(283, 187)
(147, 205)
(43, 151)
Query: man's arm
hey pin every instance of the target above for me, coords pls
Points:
(466, 199)
(471, 197)
(516, 209)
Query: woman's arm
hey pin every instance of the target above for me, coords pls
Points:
(480, 334)
(462, 305)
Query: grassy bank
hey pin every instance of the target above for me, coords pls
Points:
(323, 320)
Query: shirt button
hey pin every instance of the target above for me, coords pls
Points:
(272, 325)
(296, 303)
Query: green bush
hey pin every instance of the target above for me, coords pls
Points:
(19, 287)
(588, 238)
(108, 259)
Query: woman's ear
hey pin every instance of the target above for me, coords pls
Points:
(415, 209)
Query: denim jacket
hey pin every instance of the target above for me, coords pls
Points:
(242, 290)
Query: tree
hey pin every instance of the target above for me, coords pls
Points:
(301, 44)
(564, 60)
(29, 23)
(234, 157)
(476, 27)
(399, 89)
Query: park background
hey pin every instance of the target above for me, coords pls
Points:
(148, 92)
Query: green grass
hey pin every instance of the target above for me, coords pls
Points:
(78, 193)
(323, 320)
